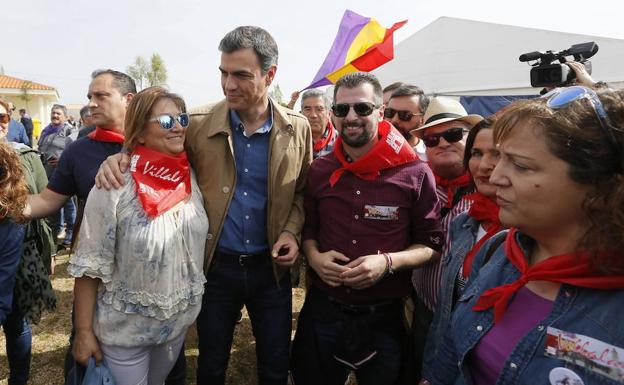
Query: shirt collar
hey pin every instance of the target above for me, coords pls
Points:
(237, 124)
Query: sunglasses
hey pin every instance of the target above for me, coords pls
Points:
(361, 109)
(405, 116)
(452, 135)
(4, 118)
(167, 121)
(561, 97)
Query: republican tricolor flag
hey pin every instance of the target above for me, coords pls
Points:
(362, 44)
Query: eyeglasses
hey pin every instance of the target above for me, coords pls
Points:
(405, 116)
(561, 97)
(361, 109)
(167, 121)
(4, 118)
(451, 135)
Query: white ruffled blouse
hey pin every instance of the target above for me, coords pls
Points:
(151, 269)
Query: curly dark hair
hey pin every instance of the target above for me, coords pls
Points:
(13, 189)
(574, 134)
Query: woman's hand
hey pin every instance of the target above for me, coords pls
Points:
(85, 347)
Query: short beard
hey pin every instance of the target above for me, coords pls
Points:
(358, 141)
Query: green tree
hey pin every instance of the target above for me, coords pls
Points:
(138, 71)
(157, 74)
(147, 74)
(276, 94)
(25, 96)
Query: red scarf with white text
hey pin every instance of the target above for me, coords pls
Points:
(162, 180)
(391, 150)
(102, 135)
(571, 268)
(451, 186)
(324, 141)
(483, 209)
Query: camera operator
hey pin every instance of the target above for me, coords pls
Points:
(583, 78)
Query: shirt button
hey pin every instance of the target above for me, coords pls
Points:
(248, 145)
(246, 170)
(245, 193)
(513, 366)
(246, 216)
(480, 328)
(247, 241)
(358, 192)
(568, 293)
(226, 189)
(540, 328)
(356, 216)
(209, 236)
(354, 241)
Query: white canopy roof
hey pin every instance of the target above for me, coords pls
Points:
(465, 57)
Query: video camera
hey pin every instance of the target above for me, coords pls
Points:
(547, 73)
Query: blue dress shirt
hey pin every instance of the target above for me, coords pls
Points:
(245, 227)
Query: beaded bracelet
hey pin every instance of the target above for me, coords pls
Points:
(389, 269)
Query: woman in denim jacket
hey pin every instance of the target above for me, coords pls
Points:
(467, 232)
(547, 308)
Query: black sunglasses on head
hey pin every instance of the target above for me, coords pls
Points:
(452, 135)
(405, 116)
(361, 109)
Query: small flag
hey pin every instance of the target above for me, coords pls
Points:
(361, 44)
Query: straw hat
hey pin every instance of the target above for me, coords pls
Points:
(442, 109)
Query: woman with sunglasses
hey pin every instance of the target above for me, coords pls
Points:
(467, 233)
(139, 258)
(547, 307)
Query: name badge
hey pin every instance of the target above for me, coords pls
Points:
(381, 213)
(587, 352)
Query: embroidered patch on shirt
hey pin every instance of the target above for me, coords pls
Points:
(382, 213)
(589, 353)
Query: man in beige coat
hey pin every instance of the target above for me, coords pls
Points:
(251, 158)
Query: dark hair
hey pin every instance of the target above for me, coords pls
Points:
(356, 79)
(410, 90)
(122, 82)
(573, 134)
(472, 135)
(255, 38)
(140, 108)
(22, 110)
(84, 112)
(392, 87)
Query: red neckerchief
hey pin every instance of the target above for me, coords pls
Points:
(390, 151)
(572, 268)
(482, 209)
(324, 141)
(451, 185)
(102, 135)
(162, 180)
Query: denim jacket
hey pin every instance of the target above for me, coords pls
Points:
(463, 235)
(594, 313)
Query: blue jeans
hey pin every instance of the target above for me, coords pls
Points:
(230, 285)
(18, 346)
(321, 326)
(66, 215)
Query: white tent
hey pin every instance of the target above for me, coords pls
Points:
(454, 56)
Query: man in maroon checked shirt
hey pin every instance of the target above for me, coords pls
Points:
(372, 216)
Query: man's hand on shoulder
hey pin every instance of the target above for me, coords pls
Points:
(110, 175)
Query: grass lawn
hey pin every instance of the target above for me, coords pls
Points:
(50, 341)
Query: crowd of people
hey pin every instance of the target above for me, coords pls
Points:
(440, 247)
